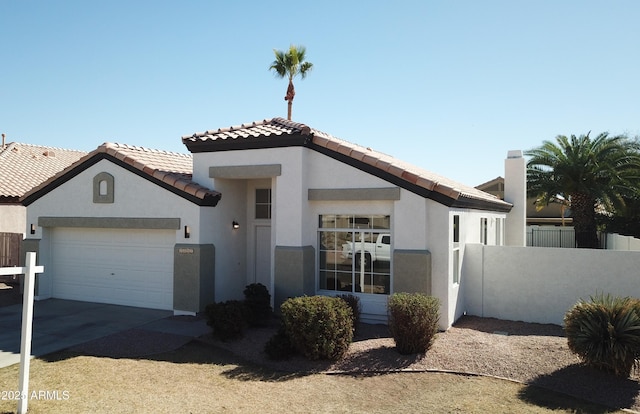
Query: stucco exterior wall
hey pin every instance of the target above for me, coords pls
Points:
(417, 224)
(441, 245)
(133, 197)
(294, 222)
(12, 219)
(230, 243)
(537, 284)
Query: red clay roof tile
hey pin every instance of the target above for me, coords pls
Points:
(24, 166)
(411, 173)
(172, 168)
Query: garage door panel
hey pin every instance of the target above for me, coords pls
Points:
(125, 267)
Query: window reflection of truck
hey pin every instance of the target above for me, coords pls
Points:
(368, 252)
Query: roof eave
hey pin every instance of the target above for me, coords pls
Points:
(197, 145)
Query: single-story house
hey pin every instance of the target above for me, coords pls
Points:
(22, 167)
(275, 202)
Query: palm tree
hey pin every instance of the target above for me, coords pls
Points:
(587, 173)
(290, 64)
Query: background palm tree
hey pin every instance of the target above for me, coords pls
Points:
(290, 64)
(586, 172)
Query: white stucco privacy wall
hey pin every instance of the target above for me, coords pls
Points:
(537, 284)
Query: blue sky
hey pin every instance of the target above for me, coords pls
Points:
(450, 86)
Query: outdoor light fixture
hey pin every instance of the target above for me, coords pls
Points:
(187, 232)
(235, 225)
(33, 228)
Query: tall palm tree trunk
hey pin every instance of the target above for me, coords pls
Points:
(291, 93)
(584, 220)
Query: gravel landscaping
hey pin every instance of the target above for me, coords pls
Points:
(535, 354)
(530, 353)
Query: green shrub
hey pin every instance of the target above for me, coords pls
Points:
(605, 333)
(356, 308)
(319, 327)
(413, 321)
(279, 347)
(258, 303)
(227, 319)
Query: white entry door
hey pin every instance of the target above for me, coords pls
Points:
(263, 256)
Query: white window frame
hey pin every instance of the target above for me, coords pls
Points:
(455, 252)
(484, 230)
(357, 229)
(499, 232)
(268, 204)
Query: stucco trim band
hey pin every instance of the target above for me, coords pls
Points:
(246, 171)
(111, 222)
(353, 194)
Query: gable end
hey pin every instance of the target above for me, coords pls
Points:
(209, 200)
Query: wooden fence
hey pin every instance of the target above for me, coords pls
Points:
(10, 249)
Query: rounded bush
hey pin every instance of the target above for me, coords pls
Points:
(605, 333)
(227, 319)
(413, 321)
(258, 304)
(319, 327)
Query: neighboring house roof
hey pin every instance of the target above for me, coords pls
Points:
(279, 132)
(553, 213)
(24, 166)
(170, 170)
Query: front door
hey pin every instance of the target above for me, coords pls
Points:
(262, 262)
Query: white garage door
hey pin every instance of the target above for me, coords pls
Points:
(125, 267)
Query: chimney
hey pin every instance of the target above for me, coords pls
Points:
(515, 192)
(3, 135)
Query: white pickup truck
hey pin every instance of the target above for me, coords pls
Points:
(380, 250)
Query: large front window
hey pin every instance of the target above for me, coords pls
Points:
(355, 253)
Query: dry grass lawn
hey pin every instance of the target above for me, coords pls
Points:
(199, 378)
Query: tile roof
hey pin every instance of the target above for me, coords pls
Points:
(281, 132)
(170, 169)
(24, 166)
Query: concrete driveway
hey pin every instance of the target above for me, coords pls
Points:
(59, 324)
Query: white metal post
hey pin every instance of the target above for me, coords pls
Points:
(29, 271)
